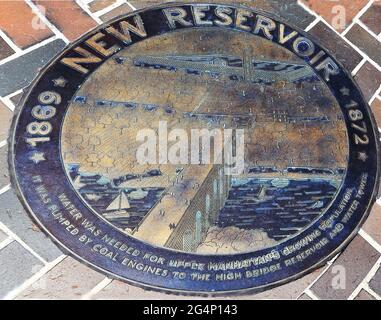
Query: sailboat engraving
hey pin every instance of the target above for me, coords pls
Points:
(117, 208)
(262, 196)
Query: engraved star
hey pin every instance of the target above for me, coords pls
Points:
(37, 157)
(362, 156)
(345, 91)
(60, 82)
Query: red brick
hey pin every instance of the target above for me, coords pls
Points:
(3, 236)
(357, 260)
(291, 290)
(118, 290)
(365, 42)
(348, 56)
(4, 173)
(5, 49)
(122, 291)
(16, 99)
(145, 3)
(70, 279)
(304, 297)
(375, 283)
(16, 21)
(369, 80)
(329, 10)
(287, 10)
(372, 225)
(363, 295)
(16, 266)
(259, 4)
(68, 17)
(372, 17)
(376, 109)
(123, 9)
(5, 121)
(98, 5)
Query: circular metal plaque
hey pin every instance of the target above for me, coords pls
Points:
(197, 149)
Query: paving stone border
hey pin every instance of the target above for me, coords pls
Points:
(32, 31)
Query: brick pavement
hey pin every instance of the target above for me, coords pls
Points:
(32, 31)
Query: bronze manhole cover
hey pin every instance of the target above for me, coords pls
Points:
(197, 148)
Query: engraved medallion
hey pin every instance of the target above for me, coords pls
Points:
(197, 148)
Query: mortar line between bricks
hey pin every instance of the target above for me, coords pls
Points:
(99, 287)
(44, 19)
(9, 232)
(7, 99)
(9, 42)
(363, 54)
(29, 49)
(85, 8)
(357, 17)
(8, 103)
(3, 143)
(5, 242)
(370, 240)
(11, 95)
(5, 189)
(329, 263)
(366, 280)
(27, 283)
(376, 94)
(312, 24)
(308, 9)
(312, 295)
(357, 49)
(371, 292)
(307, 291)
(131, 6)
(366, 28)
(358, 67)
(115, 5)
